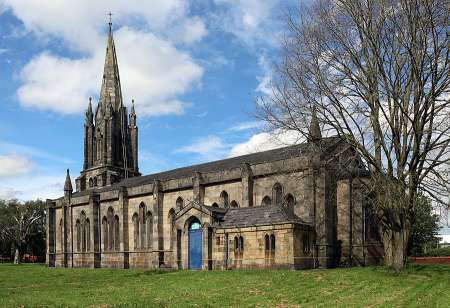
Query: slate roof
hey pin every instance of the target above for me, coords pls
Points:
(257, 216)
(328, 146)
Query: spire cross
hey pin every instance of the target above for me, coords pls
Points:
(110, 17)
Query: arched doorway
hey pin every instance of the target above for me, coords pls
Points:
(195, 244)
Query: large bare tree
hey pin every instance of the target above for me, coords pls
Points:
(18, 220)
(377, 74)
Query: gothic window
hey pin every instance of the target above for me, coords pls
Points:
(110, 215)
(289, 202)
(78, 228)
(272, 246)
(306, 242)
(142, 225)
(82, 229)
(149, 222)
(277, 194)
(95, 182)
(241, 247)
(105, 232)
(61, 235)
(136, 230)
(87, 228)
(91, 182)
(234, 204)
(238, 247)
(267, 246)
(172, 227)
(224, 199)
(266, 201)
(179, 203)
(116, 233)
(215, 205)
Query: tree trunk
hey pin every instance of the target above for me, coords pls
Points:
(395, 248)
(17, 256)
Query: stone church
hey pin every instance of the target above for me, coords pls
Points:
(290, 207)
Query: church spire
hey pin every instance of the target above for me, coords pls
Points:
(314, 128)
(68, 184)
(111, 89)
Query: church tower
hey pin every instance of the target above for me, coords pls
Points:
(110, 135)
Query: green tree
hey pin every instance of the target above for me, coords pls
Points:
(22, 226)
(424, 229)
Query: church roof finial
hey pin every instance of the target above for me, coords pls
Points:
(314, 128)
(132, 106)
(110, 22)
(68, 183)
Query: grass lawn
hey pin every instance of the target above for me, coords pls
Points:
(38, 286)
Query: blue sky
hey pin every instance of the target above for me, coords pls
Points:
(194, 68)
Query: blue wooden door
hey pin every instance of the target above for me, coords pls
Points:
(195, 249)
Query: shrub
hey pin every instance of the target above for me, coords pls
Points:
(438, 252)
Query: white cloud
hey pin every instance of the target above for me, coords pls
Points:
(208, 148)
(264, 81)
(13, 165)
(266, 141)
(251, 21)
(32, 187)
(154, 70)
(246, 126)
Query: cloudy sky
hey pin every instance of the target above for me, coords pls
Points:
(194, 69)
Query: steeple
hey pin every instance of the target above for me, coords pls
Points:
(68, 184)
(110, 141)
(89, 114)
(111, 90)
(314, 128)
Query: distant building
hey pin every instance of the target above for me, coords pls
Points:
(284, 208)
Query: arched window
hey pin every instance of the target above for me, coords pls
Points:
(289, 201)
(95, 182)
(61, 235)
(234, 204)
(238, 247)
(110, 216)
(105, 232)
(267, 245)
(91, 182)
(172, 227)
(87, 229)
(179, 203)
(277, 194)
(224, 199)
(136, 230)
(142, 225)
(215, 205)
(306, 242)
(272, 246)
(82, 227)
(149, 222)
(78, 228)
(266, 201)
(116, 233)
(241, 247)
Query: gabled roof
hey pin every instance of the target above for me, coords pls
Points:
(257, 216)
(328, 145)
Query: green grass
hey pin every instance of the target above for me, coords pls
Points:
(38, 286)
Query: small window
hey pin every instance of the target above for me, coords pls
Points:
(195, 226)
(277, 194)
(215, 205)
(95, 182)
(224, 199)
(266, 201)
(289, 202)
(91, 182)
(234, 204)
(218, 241)
(179, 203)
(306, 242)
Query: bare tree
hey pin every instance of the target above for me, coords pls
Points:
(376, 72)
(17, 221)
